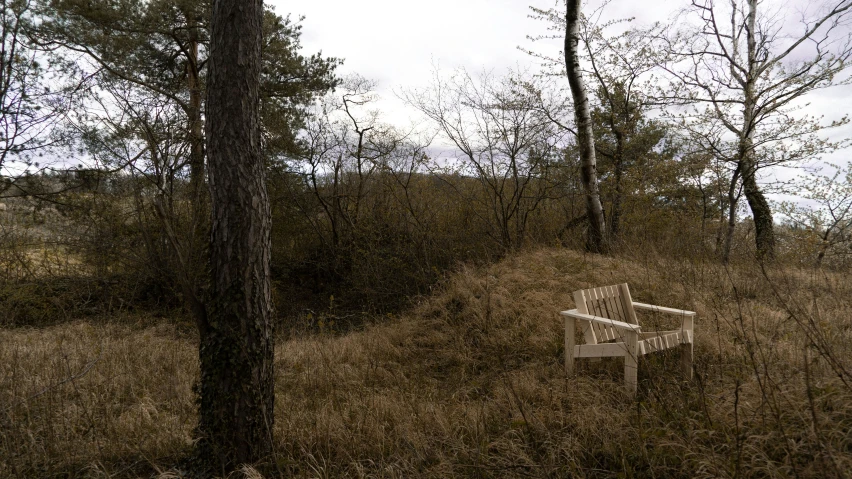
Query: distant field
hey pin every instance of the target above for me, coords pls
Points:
(469, 383)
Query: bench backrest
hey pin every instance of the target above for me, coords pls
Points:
(613, 302)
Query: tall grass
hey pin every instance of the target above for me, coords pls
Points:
(469, 383)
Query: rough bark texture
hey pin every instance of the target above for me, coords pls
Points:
(585, 137)
(762, 214)
(236, 348)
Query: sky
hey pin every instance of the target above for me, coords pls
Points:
(396, 43)
(399, 43)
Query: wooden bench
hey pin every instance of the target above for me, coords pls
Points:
(607, 317)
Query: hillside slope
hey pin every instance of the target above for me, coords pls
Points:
(469, 383)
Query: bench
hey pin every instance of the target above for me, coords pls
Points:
(607, 317)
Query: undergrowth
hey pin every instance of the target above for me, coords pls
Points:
(470, 383)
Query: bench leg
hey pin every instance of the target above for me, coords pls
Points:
(569, 346)
(631, 361)
(686, 348)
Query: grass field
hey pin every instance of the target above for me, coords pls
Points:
(469, 383)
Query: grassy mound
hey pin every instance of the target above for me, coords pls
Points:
(470, 383)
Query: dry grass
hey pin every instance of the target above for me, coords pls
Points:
(470, 383)
(81, 400)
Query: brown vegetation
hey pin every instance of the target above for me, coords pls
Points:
(469, 383)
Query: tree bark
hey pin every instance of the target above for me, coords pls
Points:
(760, 210)
(196, 135)
(733, 200)
(195, 266)
(823, 248)
(618, 170)
(596, 241)
(236, 343)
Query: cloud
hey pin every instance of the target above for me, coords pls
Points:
(397, 42)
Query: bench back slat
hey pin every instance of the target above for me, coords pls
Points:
(613, 302)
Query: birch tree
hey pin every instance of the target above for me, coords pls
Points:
(596, 241)
(748, 72)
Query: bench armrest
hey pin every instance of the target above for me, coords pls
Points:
(597, 319)
(661, 309)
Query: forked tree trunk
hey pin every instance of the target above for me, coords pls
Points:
(236, 344)
(596, 241)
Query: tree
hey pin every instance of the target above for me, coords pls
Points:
(161, 47)
(625, 139)
(597, 241)
(153, 46)
(505, 140)
(155, 53)
(346, 149)
(748, 72)
(828, 218)
(29, 108)
(704, 137)
(621, 67)
(290, 83)
(236, 340)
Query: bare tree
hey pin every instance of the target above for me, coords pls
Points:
(145, 136)
(236, 336)
(505, 140)
(597, 241)
(346, 148)
(621, 67)
(828, 218)
(744, 66)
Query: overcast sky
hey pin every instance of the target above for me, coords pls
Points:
(397, 42)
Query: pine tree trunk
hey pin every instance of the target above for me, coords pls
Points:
(195, 252)
(196, 135)
(585, 138)
(236, 344)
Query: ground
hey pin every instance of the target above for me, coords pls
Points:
(469, 383)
